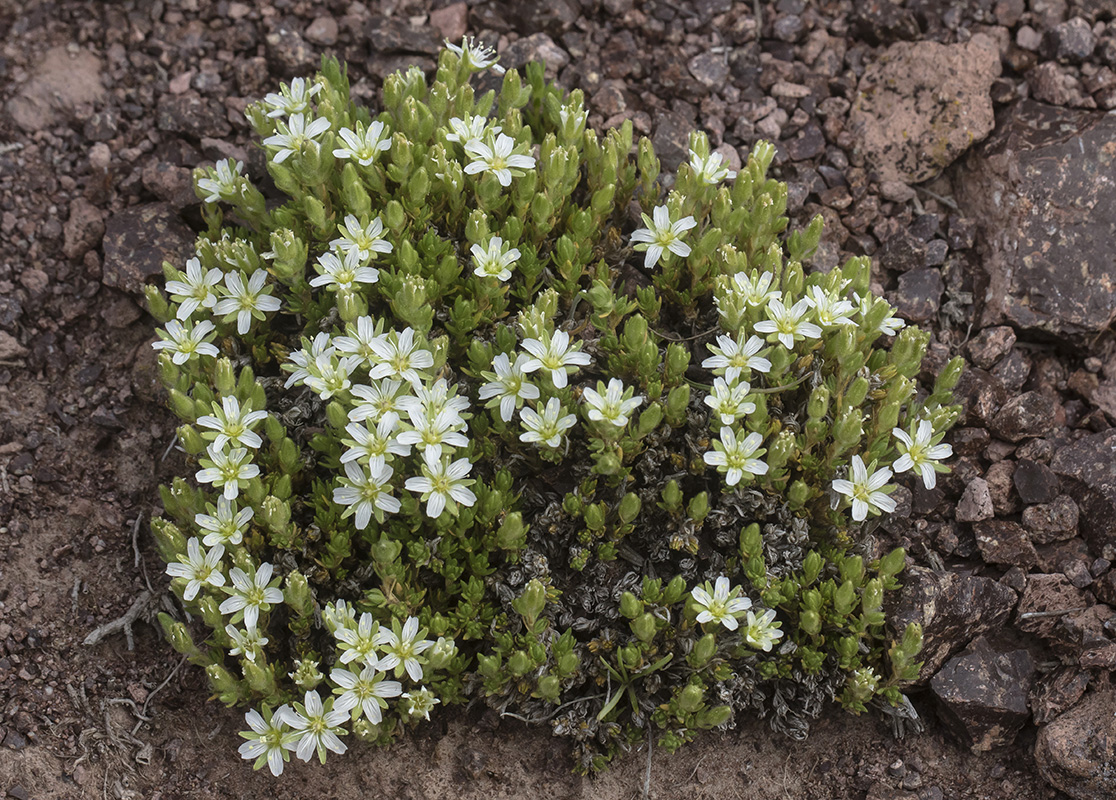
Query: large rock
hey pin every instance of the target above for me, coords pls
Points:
(952, 609)
(62, 85)
(1076, 753)
(1088, 471)
(983, 694)
(923, 104)
(1042, 188)
(138, 240)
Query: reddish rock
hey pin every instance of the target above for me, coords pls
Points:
(1043, 594)
(1035, 482)
(1030, 415)
(990, 345)
(138, 240)
(1005, 542)
(63, 84)
(1076, 753)
(451, 21)
(1056, 692)
(1088, 471)
(83, 230)
(1052, 522)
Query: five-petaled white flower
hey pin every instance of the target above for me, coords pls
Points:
(382, 397)
(398, 355)
(338, 275)
(246, 301)
(722, 606)
(250, 596)
(185, 343)
(293, 99)
(468, 130)
(197, 568)
(475, 56)
(368, 495)
(359, 341)
(269, 740)
(756, 290)
(363, 693)
(828, 309)
(762, 632)
(431, 429)
(305, 360)
(225, 182)
(890, 325)
(420, 702)
(737, 457)
(554, 354)
(508, 386)
(233, 424)
(730, 401)
(228, 526)
(610, 405)
(864, 490)
(248, 643)
(317, 727)
(402, 647)
(735, 357)
(494, 262)
(197, 290)
(373, 445)
(786, 324)
(709, 169)
(662, 235)
(366, 240)
(921, 453)
(443, 484)
(295, 135)
(363, 145)
(227, 470)
(330, 375)
(546, 428)
(360, 644)
(496, 157)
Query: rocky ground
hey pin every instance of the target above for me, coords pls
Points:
(963, 145)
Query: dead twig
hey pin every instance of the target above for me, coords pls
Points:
(1040, 614)
(123, 623)
(143, 711)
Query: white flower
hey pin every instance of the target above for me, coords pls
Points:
(443, 484)
(494, 262)
(366, 240)
(228, 526)
(864, 491)
(554, 354)
(366, 495)
(546, 428)
(330, 375)
(225, 183)
(293, 99)
(198, 569)
(359, 341)
(295, 135)
(248, 643)
(761, 632)
(722, 606)
(497, 158)
(403, 647)
(612, 406)
(662, 234)
(378, 399)
(304, 360)
(829, 310)
(434, 399)
(360, 644)
(736, 457)
(891, 324)
(318, 727)
(786, 324)
(364, 145)
(227, 470)
(420, 703)
(432, 430)
(709, 169)
(363, 693)
(341, 275)
(246, 302)
(920, 452)
(185, 343)
(373, 446)
(269, 740)
(730, 401)
(475, 57)
(734, 357)
(508, 386)
(471, 130)
(251, 595)
(398, 355)
(197, 290)
(233, 424)
(756, 291)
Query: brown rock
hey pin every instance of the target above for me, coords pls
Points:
(919, 294)
(1035, 482)
(976, 502)
(451, 21)
(1056, 692)
(990, 345)
(83, 230)
(1029, 415)
(1046, 593)
(192, 115)
(1076, 752)
(323, 30)
(10, 348)
(138, 240)
(62, 85)
(1052, 522)
(1088, 471)
(174, 185)
(921, 105)
(536, 47)
(1057, 85)
(1004, 542)
(981, 395)
(1001, 489)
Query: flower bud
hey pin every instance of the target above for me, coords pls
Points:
(677, 402)
(672, 496)
(179, 637)
(704, 650)
(698, 509)
(259, 676)
(629, 656)
(630, 605)
(674, 590)
(532, 602)
(512, 534)
(644, 627)
(306, 674)
(169, 541)
(568, 663)
(811, 567)
(798, 494)
(856, 393)
(810, 622)
(395, 218)
(629, 507)
(297, 592)
(713, 717)
(595, 517)
(519, 664)
(440, 655)
(549, 688)
(691, 698)
(225, 686)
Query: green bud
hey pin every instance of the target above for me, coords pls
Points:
(549, 688)
(297, 594)
(532, 602)
(856, 393)
(179, 637)
(811, 567)
(672, 496)
(629, 507)
(512, 534)
(798, 494)
(892, 564)
(169, 541)
(568, 663)
(260, 677)
(630, 605)
(519, 664)
(691, 698)
(275, 514)
(225, 686)
(595, 516)
(674, 590)
(751, 540)
(810, 622)
(440, 655)
(649, 420)
(818, 405)
(713, 717)
(337, 415)
(645, 627)
(629, 656)
(157, 305)
(844, 599)
(704, 650)
(394, 216)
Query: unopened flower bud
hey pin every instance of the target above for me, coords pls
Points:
(691, 698)
(644, 627)
(630, 605)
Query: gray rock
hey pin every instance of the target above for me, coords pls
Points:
(983, 694)
(1052, 522)
(903, 251)
(882, 22)
(919, 295)
(536, 47)
(193, 115)
(1005, 542)
(1030, 415)
(952, 609)
(1035, 482)
(709, 69)
(671, 139)
(1070, 42)
(552, 16)
(138, 240)
(1033, 176)
(976, 502)
(1052, 83)
(62, 85)
(1043, 593)
(1076, 753)
(920, 106)
(83, 230)
(323, 30)
(1088, 471)
(1057, 691)
(451, 21)
(808, 143)
(990, 345)
(289, 54)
